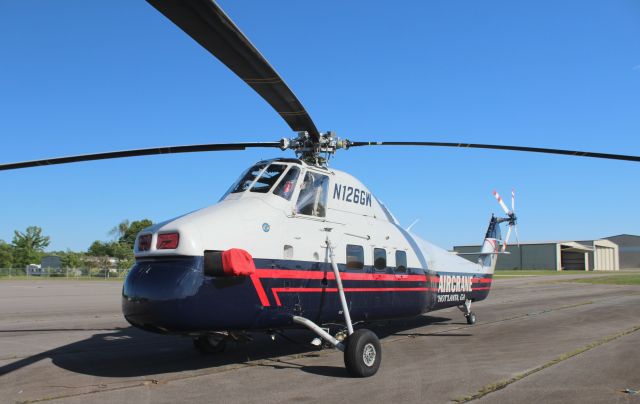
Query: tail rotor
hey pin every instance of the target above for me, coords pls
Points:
(511, 218)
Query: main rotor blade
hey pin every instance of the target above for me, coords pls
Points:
(205, 22)
(502, 147)
(138, 152)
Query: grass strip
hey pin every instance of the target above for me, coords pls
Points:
(490, 388)
(617, 279)
(508, 273)
(60, 278)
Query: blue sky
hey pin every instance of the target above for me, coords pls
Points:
(80, 77)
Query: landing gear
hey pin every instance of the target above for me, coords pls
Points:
(210, 344)
(362, 350)
(363, 353)
(468, 314)
(471, 318)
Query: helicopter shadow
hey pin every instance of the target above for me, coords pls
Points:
(130, 352)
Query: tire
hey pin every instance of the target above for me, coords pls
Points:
(207, 344)
(471, 318)
(363, 353)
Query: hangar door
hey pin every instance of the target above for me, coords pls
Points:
(574, 256)
(573, 260)
(604, 259)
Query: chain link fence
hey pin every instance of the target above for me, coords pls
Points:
(70, 273)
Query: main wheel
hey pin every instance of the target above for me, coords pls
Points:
(209, 344)
(363, 353)
(471, 318)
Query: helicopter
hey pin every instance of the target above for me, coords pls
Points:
(293, 242)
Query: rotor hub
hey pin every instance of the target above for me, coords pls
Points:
(315, 152)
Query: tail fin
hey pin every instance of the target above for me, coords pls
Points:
(488, 255)
(490, 247)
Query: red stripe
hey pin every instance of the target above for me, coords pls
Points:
(348, 276)
(259, 289)
(334, 290)
(345, 276)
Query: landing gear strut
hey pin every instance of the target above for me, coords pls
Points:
(468, 314)
(362, 350)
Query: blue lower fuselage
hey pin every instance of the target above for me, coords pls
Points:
(175, 296)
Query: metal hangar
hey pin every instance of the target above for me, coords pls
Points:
(590, 255)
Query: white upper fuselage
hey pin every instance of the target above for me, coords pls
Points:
(291, 221)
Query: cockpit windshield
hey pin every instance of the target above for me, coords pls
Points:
(268, 177)
(285, 188)
(262, 177)
(245, 180)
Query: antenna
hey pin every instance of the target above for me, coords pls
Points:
(412, 224)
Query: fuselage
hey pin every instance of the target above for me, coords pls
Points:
(282, 212)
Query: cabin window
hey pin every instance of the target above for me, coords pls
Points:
(355, 256)
(380, 258)
(401, 261)
(245, 181)
(285, 188)
(268, 177)
(312, 200)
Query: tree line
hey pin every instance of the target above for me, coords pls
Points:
(28, 247)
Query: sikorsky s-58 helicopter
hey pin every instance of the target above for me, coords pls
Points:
(293, 242)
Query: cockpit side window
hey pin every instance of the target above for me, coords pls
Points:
(312, 200)
(268, 177)
(285, 188)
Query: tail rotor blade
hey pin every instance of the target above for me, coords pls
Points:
(506, 240)
(517, 237)
(513, 200)
(501, 202)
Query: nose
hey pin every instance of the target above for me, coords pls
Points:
(159, 295)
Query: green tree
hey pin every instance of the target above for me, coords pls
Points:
(28, 246)
(99, 249)
(70, 259)
(124, 254)
(6, 255)
(120, 229)
(122, 249)
(129, 235)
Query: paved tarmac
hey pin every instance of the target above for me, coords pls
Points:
(536, 339)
